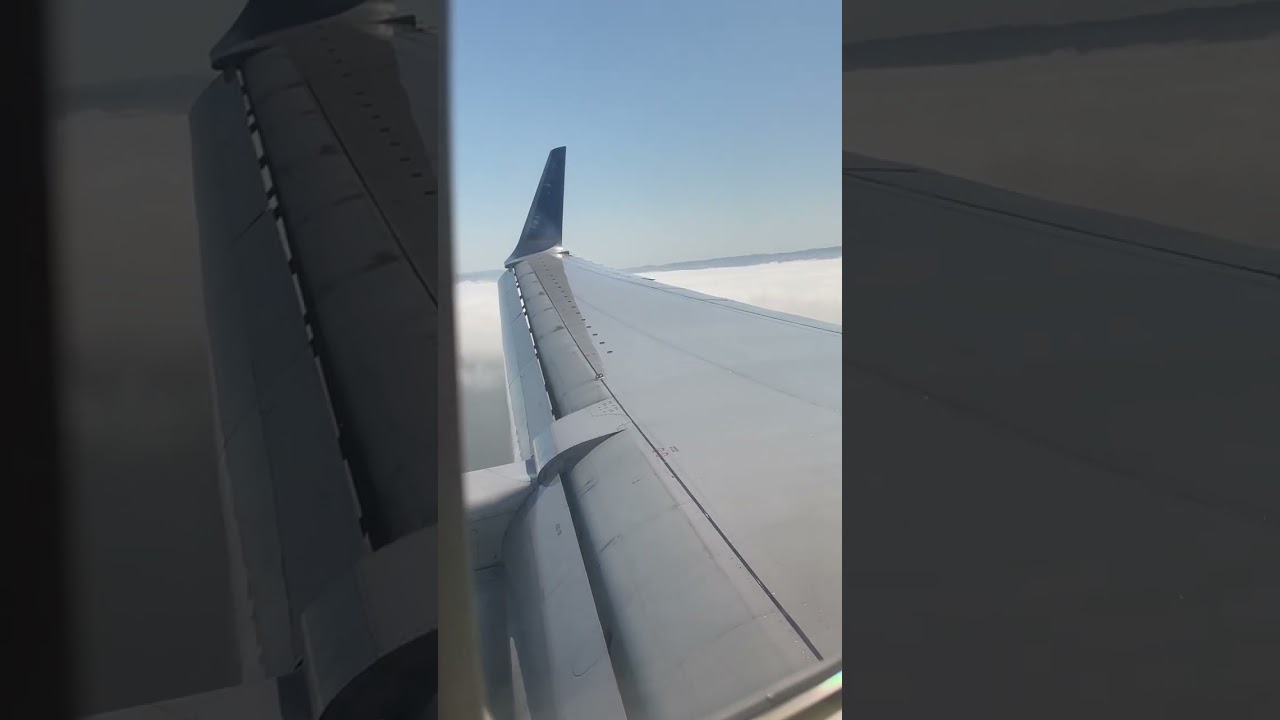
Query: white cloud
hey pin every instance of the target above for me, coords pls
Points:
(479, 333)
(810, 288)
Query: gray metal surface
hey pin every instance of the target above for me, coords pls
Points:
(1112, 342)
(744, 408)
(358, 85)
(571, 437)
(807, 695)
(358, 204)
(289, 499)
(317, 209)
(1062, 445)
(691, 630)
(493, 496)
(259, 700)
(568, 360)
(490, 591)
(421, 73)
(366, 636)
(731, 476)
(229, 199)
(554, 627)
(549, 277)
(527, 397)
(711, 560)
(948, 194)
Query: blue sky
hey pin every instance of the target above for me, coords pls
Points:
(694, 129)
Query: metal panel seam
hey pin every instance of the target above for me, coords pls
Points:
(795, 626)
(1014, 215)
(537, 353)
(373, 200)
(723, 536)
(264, 164)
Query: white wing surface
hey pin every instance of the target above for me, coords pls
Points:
(694, 443)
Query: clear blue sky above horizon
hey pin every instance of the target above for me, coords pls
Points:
(694, 129)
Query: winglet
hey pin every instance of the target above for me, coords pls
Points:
(546, 214)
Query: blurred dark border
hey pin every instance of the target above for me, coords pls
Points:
(35, 532)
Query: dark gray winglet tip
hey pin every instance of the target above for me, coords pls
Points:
(261, 19)
(542, 228)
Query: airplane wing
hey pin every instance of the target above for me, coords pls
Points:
(1061, 457)
(315, 155)
(1062, 453)
(668, 539)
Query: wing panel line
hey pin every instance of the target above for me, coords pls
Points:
(972, 206)
(690, 353)
(716, 526)
(369, 194)
(795, 626)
